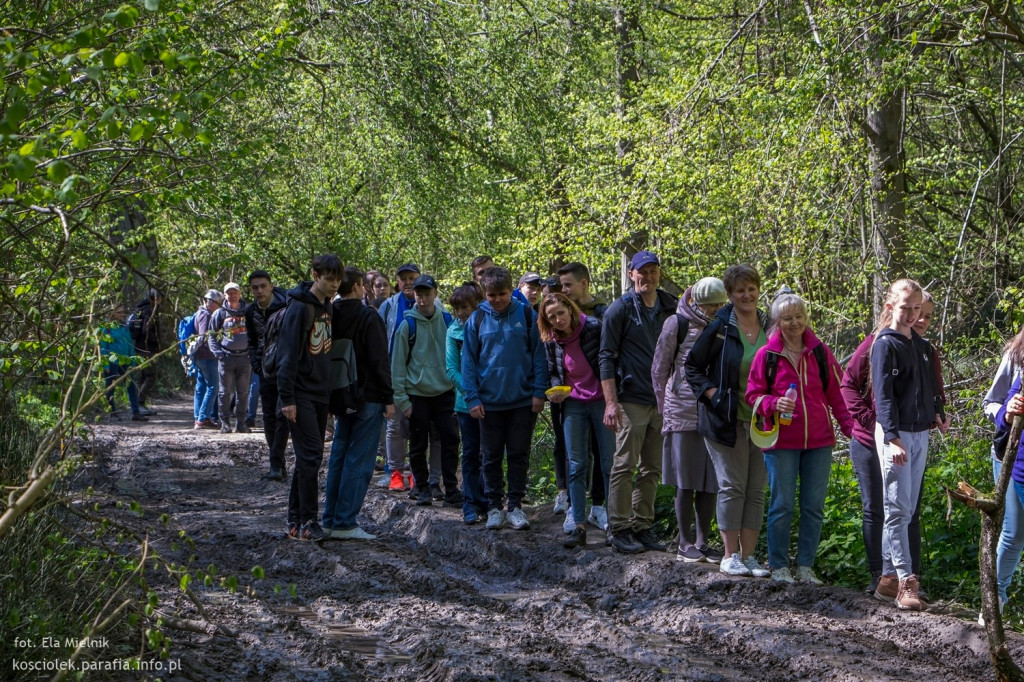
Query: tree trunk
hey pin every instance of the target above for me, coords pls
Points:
(627, 79)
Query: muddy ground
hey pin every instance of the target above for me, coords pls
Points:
(433, 599)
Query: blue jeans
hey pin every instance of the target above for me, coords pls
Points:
(472, 479)
(111, 374)
(350, 467)
(813, 467)
(578, 418)
(207, 385)
(1011, 539)
(254, 395)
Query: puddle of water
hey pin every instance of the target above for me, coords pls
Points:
(350, 637)
(522, 594)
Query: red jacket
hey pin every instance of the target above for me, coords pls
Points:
(812, 423)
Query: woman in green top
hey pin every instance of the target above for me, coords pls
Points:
(717, 369)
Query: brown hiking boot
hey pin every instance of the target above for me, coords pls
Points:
(907, 597)
(888, 588)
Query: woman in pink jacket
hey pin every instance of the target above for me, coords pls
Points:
(795, 356)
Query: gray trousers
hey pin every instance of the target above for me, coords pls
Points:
(741, 480)
(234, 372)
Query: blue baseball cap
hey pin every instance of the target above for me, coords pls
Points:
(408, 267)
(642, 258)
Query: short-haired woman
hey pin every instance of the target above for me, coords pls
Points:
(795, 356)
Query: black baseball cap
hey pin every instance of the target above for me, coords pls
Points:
(425, 282)
(408, 267)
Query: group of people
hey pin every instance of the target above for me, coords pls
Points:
(707, 393)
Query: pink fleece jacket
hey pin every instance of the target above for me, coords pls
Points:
(812, 424)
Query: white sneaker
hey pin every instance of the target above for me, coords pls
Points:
(733, 565)
(356, 533)
(782, 575)
(805, 574)
(495, 519)
(561, 502)
(598, 517)
(517, 519)
(384, 481)
(756, 569)
(569, 525)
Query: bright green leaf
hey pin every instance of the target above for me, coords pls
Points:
(122, 60)
(27, 148)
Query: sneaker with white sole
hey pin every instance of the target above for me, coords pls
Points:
(756, 569)
(712, 555)
(690, 555)
(569, 525)
(495, 519)
(356, 533)
(598, 517)
(517, 519)
(782, 575)
(561, 502)
(733, 565)
(805, 574)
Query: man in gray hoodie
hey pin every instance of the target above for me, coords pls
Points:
(230, 345)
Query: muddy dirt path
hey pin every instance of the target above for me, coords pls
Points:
(433, 599)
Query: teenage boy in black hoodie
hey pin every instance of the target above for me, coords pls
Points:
(304, 388)
(267, 300)
(357, 431)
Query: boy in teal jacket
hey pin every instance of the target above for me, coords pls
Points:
(423, 392)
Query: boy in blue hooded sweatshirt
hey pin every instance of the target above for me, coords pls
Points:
(504, 376)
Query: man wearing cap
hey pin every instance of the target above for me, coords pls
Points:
(629, 334)
(423, 392)
(147, 338)
(230, 344)
(267, 300)
(207, 383)
(393, 313)
(530, 287)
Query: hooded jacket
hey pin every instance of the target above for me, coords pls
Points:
(904, 382)
(453, 362)
(423, 373)
(628, 340)
(503, 364)
(202, 321)
(714, 362)
(120, 344)
(149, 340)
(229, 337)
(812, 424)
(676, 402)
(351, 319)
(256, 326)
(303, 348)
(588, 335)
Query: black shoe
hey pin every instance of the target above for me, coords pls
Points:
(225, 427)
(873, 585)
(608, 536)
(625, 543)
(578, 538)
(424, 497)
(454, 500)
(274, 475)
(139, 418)
(646, 538)
(436, 492)
(414, 494)
(251, 423)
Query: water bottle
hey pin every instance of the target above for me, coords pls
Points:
(786, 418)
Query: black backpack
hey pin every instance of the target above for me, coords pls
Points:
(271, 361)
(346, 394)
(772, 367)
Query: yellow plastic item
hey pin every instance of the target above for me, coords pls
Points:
(558, 390)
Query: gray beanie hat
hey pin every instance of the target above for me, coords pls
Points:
(709, 290)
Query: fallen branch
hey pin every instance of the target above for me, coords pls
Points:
(991, 509)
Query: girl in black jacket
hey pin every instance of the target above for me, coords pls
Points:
(572, 342)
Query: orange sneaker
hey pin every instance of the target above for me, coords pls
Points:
(397, 482)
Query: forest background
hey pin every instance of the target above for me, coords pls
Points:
(835, 145)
